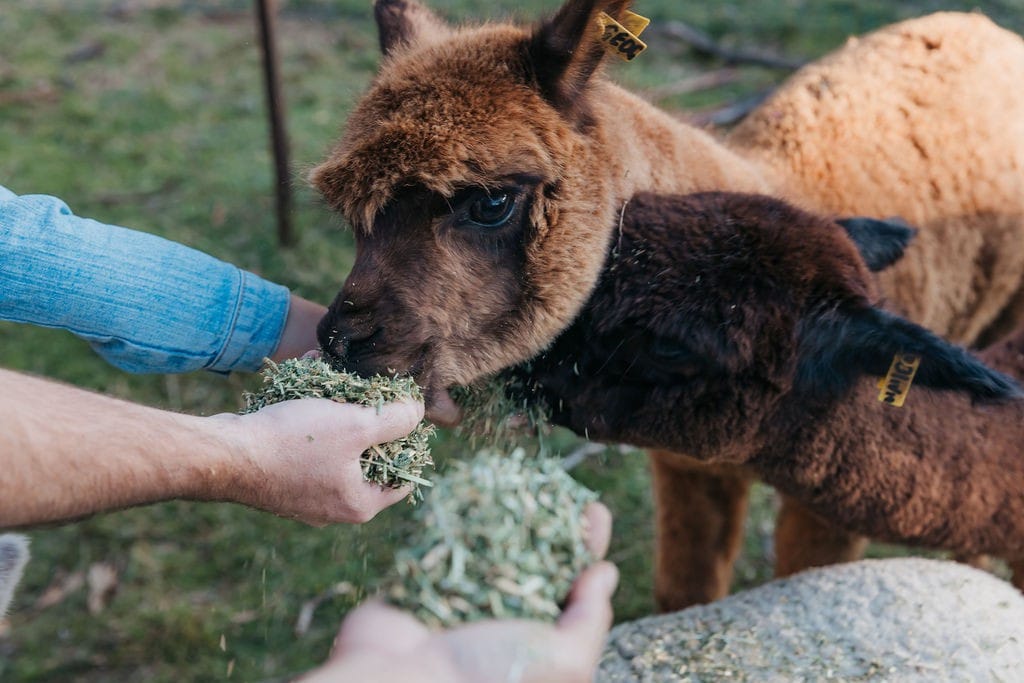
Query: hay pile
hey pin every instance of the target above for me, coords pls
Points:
(501, 535)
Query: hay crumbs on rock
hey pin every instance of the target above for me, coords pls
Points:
(395, 463)
(500, 536)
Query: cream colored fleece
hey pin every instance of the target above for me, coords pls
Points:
(943, 148)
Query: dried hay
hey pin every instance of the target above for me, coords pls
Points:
(393, 464)
(501, 535)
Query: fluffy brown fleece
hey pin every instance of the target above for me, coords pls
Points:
(741, 330)
(485, 170)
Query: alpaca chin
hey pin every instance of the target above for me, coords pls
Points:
(441, 409)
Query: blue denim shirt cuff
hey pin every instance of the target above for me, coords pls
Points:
(260, 315)
(144, 303)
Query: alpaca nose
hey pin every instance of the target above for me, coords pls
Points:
(333, 352)
(346, 347)
(330, 339)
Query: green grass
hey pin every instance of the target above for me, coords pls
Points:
(163, 130)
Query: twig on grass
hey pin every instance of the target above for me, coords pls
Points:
(705, 44)
(305, 618)
(731, 113)
(590, 448)
(692, 84)
(39, 93)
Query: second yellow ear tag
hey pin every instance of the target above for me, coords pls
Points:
(622, 38)
(894, 387)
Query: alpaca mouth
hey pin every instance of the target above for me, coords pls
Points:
(441, 409)
(439, 406)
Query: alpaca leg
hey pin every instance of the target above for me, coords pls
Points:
(976, 561)
(804, 540)
(699, 516)
(1017, 569)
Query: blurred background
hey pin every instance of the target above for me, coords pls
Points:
(151, 114)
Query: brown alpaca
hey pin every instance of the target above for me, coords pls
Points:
(743, 331)
(485, 170)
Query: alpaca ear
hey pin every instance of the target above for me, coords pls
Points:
(881, 242)
(405, 22)
(565, 50)
(328, 180)
(839, 346)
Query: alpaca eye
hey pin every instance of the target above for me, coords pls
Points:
(492, 210)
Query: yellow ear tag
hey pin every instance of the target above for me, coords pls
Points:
(894, 387)
(622, 38)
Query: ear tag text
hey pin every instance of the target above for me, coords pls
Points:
(894, 387)
(622, 39)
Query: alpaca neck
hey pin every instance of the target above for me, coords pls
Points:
(647, 150)
(935, 472)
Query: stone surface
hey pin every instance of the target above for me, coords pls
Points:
(876, 620)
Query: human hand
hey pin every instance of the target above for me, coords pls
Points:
(301, 458)
(380, 643)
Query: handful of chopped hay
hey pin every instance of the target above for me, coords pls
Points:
(500, 536)
(393, 464)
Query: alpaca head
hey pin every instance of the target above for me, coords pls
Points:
(469, 173)
(722, 312)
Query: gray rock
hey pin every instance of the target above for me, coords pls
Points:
(13, 556)
(876, 620)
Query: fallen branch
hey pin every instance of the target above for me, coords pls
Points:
(704, 81)
(587, 449)
(731, 113)
(705, 44)
(305, 618)
(42, 92)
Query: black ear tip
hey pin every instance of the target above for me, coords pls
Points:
(880, 242)
(384, 9)
(995, 387)
(1009, 389)
(893, 227)
(899, 229)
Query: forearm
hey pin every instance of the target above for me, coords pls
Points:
(69, 453)
(299, 333)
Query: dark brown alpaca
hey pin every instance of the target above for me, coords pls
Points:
(743, 331)
(485, 170)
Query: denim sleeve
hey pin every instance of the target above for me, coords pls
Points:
(144, 303)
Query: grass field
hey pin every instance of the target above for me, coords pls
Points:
(149, 113)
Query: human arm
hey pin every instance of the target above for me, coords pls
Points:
(144, 303)
(380, 643)
(69, 453)
(299, 334)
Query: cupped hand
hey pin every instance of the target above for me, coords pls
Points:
(301, 458)
(381, 643)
